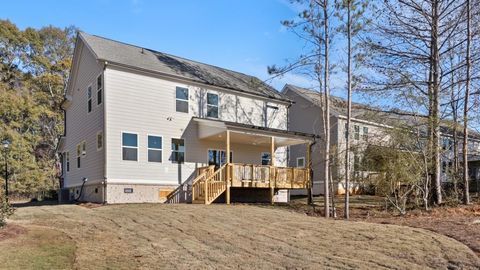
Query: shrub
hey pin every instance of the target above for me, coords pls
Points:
(5, 211)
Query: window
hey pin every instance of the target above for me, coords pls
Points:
(129, 146)
(154, 149)
(218, 157)
(99, 89)
(99, 140)
(266, 158)
(67, 161)
(84, 148)
(181, 101)
(79, 154)
(212, 105)
(178, 151)
(357, 132)
(89, 98)
(301, 162)
(365, 133)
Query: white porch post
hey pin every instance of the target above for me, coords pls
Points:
(228, 176)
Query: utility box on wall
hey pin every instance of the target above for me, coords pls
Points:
(281, 196)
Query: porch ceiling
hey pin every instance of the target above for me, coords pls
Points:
(214, 130)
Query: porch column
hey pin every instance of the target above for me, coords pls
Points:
(227, 195)
(272, 164)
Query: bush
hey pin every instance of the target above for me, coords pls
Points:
(5, 211)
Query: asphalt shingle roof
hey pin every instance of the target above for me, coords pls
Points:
(151, 60)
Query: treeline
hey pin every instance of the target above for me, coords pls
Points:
(34, 69)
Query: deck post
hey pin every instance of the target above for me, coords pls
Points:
(272, 163)
(228, 176)
(308, 166)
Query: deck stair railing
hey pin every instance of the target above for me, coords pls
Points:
(208, 186)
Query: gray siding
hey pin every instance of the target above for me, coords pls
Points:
(145, 105)
(83, 126)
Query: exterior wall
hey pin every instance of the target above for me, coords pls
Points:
(90, 193)
(144, 104)
(83, 126)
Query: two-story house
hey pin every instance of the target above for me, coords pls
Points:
(145, 126)
(369, 126)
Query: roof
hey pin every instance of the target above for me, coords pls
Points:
(372, 114)
(150, 60)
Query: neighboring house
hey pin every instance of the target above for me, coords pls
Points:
(145, 126)
(368, 127)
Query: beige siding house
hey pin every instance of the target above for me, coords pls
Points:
(369, 126)
(145, 126)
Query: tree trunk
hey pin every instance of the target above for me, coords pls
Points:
(349, 116)
(327, 113)
(466, 197)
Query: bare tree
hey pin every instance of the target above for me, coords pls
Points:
(466, 197)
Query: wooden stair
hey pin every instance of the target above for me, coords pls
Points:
(208, 186)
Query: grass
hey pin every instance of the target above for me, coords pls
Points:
(146, 236)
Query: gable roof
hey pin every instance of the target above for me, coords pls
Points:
(372, 114)
(132, 56)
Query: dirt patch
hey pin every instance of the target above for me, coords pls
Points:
(11, 231)
(146, 236)
(90, 205)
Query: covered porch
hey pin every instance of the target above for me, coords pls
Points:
(222, 174)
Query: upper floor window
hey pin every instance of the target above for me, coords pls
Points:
(99, 140)
(154, 148)
(301, 162)
(67, 161)
(181, 102)
(89, 98)
(357, 132)
(178, 151)
(212, 105)
(365, 133)
(266, 158)
(99, 89)
(129, 146)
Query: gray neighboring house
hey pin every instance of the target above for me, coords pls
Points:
(368, 127)
(145, 126)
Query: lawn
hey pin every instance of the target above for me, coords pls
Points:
(146, 236)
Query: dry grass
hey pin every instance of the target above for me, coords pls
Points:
(239, 236)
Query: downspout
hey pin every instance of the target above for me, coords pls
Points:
(104, 134)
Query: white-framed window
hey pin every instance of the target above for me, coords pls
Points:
(218, 157)
(79, 155)
(67, 161)
(365, 134)
(99, 89)
(129, 146)
(356, 129)
(212, 105)
(89, 98)
(178, 151)
(301, 162)
(99, 140)
(181, 99)
(154, 148)
(84, 148)
(266, 158)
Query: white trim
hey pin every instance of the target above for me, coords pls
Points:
(156, 149)
(302, 158)
(96, 140)
(131, 147)
(179, 99)
(218, 104)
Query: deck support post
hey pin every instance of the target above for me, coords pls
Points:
(228, 176)
(309, 184)
(272, 163)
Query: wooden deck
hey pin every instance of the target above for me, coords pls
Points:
(210, 183)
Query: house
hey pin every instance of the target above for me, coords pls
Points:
(145, 126)
(369, 126)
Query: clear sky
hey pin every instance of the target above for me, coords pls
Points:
(243, 35)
